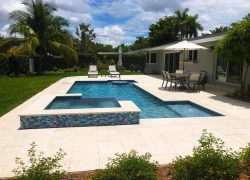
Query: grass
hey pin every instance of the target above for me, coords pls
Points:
(14, 91)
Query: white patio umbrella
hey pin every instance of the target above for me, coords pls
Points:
(119, 63)
(183, 46)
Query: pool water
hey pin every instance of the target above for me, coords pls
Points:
(150, 106)
(82, 103)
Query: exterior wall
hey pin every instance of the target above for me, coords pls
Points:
(156, 67)
(206, 62)
(79, 120)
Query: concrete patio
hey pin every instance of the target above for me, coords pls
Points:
(88, 148)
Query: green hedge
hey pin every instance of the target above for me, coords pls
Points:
(4, 64)
(128, 60)
(13, 65)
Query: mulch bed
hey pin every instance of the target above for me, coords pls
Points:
(163, 173)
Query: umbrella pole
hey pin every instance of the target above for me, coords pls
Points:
(183, 60)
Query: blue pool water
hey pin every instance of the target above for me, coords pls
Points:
(150, 106)
(81, 103)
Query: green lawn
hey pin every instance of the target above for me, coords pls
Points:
(14, 91)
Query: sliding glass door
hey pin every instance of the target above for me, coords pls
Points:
(172, 62)
(228, 71)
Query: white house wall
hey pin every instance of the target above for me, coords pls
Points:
(206, 61)
(155, 68)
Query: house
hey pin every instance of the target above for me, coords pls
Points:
(219, 71)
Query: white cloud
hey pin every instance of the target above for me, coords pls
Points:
(113, 35)
(4, 30)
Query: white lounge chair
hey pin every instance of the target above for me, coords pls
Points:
(92, 71)
(113, 72)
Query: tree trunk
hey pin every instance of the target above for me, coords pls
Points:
(245, 77)
(40, 65)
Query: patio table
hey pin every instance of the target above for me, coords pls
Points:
(182, 78)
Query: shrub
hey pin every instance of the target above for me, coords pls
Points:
(40, 167)
(4, 64)
(55, 68)
(245, 158)
(129, 166)
(75, 69)
(120, 68)
(132, 67)
(210, 160)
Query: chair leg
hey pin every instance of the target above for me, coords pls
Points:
(166, 84)
(198, 86)
(162, 83)
(170, 85)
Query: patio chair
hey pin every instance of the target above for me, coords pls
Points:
(112, 71)
(179, 71)
(164, 77)
(193, 80)
(203, 79)
(171, 79)
(92, 71)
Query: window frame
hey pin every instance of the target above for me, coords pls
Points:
(150, 62)
(193, 55)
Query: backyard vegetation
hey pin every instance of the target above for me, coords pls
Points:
(210, 160)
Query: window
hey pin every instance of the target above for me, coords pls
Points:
(153, 58)
(147, 57)
(192, 55)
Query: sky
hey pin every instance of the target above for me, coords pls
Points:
(121, 21)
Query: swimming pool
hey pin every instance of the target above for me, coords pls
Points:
(64, 102)
(150, 106)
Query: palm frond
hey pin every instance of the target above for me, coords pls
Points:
(64, 50)
(10, 43)
(18, 15)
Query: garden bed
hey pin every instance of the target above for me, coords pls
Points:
(164, 172)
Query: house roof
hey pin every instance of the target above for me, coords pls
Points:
(107, 53)
(197, 40)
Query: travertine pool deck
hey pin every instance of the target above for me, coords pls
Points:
(88, 148)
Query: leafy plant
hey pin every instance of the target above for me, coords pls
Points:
(235, 47)
(129, 166)
(55, 68)
(245, 158)
(121, 68)
(210, 160)
(40, 167)
(75, 69)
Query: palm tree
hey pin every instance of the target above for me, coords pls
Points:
(181, 22)
(186, 24)
(85, 34)
(42, 31)
(193, 26)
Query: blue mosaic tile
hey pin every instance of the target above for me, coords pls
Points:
(79, 120)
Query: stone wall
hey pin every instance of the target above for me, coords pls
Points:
(78, 120)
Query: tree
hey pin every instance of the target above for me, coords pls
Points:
(163, 31)
(186, 25)
(235, 47)
(172, 28)
(42, 31)
(86, 35)
(140, 43)
(219, 29)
